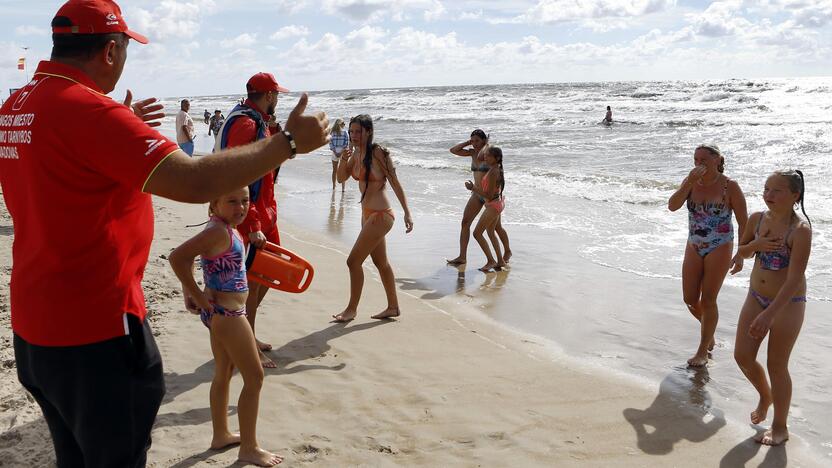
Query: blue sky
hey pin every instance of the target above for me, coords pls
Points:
(202, 47)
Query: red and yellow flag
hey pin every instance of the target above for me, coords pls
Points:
(21, 63)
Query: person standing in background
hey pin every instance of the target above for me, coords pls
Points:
(206, 115)
(185, 128)
(339, 140)
(215, 123)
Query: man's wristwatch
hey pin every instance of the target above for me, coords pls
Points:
(292, 144)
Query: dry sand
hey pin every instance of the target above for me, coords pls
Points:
(439, 387)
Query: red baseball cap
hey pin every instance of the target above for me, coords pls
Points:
(93, 17)
(263, 83)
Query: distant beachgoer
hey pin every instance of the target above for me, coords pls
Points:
(711, 197)
(608, 118)
(491, 189)
(370, 164)
(185, 128)
(339, 140)
(206, 115)
(253, 121)
(215, 123)
(222, 308)
(477, 142)
(776, 299)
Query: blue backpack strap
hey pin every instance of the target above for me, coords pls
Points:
(222, 142)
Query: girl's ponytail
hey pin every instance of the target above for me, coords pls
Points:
(802, 193)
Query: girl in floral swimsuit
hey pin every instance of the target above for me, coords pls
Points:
(776, 300)
(711, 198)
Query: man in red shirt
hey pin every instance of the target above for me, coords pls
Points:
(250, 121)
(78, 192)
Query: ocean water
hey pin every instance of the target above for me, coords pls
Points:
(598, 256)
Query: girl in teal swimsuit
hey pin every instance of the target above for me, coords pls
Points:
(711, 198)
(776, 300)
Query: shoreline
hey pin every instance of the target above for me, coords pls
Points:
(443, 386)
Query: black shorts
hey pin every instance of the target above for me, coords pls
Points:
(100, 399)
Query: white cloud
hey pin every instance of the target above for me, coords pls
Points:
(435, 11)
(170, 19)
(30, 31)
(244, 40)
(560, 11)
(810, 13)
(289, 7)
(289, 31)
(365, 36)
(471, 15)
(720, 19)
(375, 10)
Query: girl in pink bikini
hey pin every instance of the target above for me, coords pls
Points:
(222, 308)
(473, 148)
(491, 191)
(776, 300)
(370, 165)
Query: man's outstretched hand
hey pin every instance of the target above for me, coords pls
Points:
(147, 109)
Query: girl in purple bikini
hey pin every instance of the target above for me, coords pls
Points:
(222, 308)
(776, 300)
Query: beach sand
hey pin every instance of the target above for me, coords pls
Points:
(441, 386)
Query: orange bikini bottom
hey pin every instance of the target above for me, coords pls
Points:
(368, 214)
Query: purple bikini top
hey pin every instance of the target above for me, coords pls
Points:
(778, 259)
(226, 272)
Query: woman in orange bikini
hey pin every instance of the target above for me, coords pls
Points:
(372, 167)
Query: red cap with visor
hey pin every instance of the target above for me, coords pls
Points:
(93, 17)
(263, 83)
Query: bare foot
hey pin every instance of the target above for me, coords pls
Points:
(387, 313)
(759, 413)
(773, 436)
(225, 440)
(259, 457)
(263, 346)
(488, 267)
(457, 261)
(345, 316)
(266, 361)
(698, 360)
(507, 256)
(501, 265)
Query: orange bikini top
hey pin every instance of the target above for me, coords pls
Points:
(362, 172)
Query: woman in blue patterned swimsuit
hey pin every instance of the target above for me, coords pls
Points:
(711, 197)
